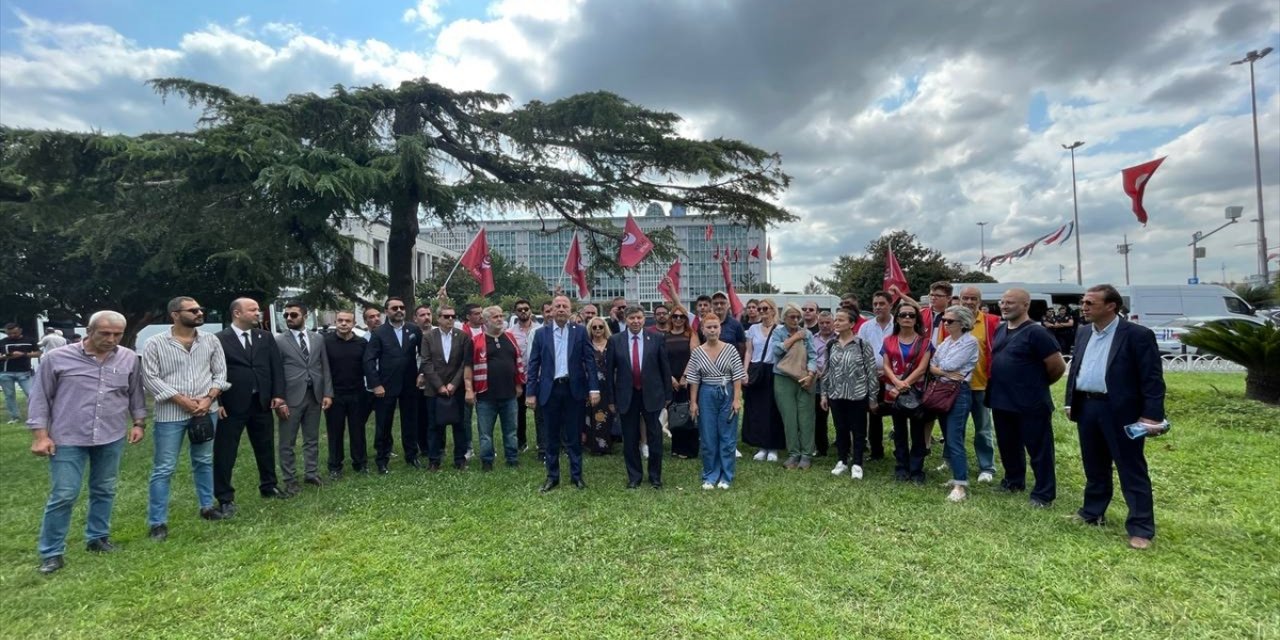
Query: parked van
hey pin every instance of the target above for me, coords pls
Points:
(1044, 295)
(1154, 305)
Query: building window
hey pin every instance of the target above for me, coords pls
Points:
(378, 246)
(422, 266)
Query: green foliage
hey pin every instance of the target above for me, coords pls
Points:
(1253, 346)
(1260, 296)
(511, 280)
(864, 275)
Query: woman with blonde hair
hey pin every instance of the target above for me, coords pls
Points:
(762, 424)
(679, 336)
(599, 424)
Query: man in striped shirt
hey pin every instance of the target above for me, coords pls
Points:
(186, 371)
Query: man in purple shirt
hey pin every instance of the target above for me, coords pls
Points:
(83, 398)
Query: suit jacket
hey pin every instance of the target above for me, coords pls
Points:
(655, 370)
(540, 371)
(435, 369)
(297, 369)
(1135, 373)
(261, 370)
(389, 364)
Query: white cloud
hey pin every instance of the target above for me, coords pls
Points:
(426, 14)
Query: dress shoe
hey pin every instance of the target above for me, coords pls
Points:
(1076, 518)
(415, 463)
(275, 493)
(486, 466)
(1140, 543)
(633, 485)
(101, 545)
(1009, 488)
(159, 533)
(314, 481)
(433, 467)
(50, 564)
(1036, 503)
(383, 470)
(460, 465)
(228, 509)
(212, 513)
(549, 485)
(335, 475)
(656, 485)
(292, 488)
(577, 482)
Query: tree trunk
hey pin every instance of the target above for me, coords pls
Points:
(404, 217)
(1263, 386)
(134, 323)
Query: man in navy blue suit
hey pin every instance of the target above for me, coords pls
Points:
(391, 371)
(639, 375)
(1116, 379)
(561, 375)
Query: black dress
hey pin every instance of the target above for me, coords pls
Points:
(598, 436)
(684, 442)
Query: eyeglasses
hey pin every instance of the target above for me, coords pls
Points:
(906, 316)
(447, 316)
(792, 316)
(293, 314)
(193, 311)
(400, 308)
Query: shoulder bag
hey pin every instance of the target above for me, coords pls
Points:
(795, 364)
(757, 370)
(200, 429)
(940, 395)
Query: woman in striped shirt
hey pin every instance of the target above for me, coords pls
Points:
(715, 376)
(849, 389)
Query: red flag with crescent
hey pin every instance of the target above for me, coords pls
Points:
(635, 245)
(575, 268)
(1135, 184)
(755, 252)
(669, 286)
(476, 260)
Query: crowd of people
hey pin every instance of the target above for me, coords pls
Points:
(591, 381)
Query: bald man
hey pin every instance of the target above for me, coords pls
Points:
(1025, 362)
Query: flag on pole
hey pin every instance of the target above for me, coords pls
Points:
(476, 261)
(895, 281)
(1135, 184)
(710, 232)
(755, 252)
(635, 245)
(575, 268)
(669, 286)
(768, 251)
(735, 304)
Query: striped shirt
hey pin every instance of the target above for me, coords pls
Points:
(725, 369)
(169, 369)
(84, 401)
(852, 373)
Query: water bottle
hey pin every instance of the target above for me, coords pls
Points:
(1140, 430)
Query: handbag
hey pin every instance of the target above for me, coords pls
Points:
(940, 396)
(448, 409)
(795, 364)
(758, 369)
(200, 429)
(908, 402)
(678, 418)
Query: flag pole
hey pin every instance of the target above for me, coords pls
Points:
(459, 262)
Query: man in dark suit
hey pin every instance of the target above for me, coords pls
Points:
(256, 374)
(561, 377)
(445, 352)
(1116, 379)
(308, 389)
(391, 367)
(638, 373)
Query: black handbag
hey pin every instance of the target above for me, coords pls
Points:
(200, 429)
(908, 402)
(678, 418)
(448, 409)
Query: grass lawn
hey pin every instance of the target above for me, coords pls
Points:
(782, 555)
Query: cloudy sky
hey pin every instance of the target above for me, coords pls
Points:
(927, 116)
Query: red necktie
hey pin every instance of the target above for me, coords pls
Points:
(635, 361)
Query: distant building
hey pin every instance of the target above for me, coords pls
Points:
(523, 241)
(371, 249)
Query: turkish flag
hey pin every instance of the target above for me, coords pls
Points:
(768, 251)
(635, 245)
(735, 304)
(755, 252)
(895, 281)
(1135, 184)
(709, 233)
(669, 286)
(575, 268)
(476, 260)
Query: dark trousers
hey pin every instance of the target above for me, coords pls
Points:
(385, 414)
(1103, 441)
(522, 426)
(1027, 434)
(821, 439)
(563, 416)
(850, 417)
(424, 423)
(631, 418)
(435, 439)
(346, 417)
(875, 433)
(226, 444)
(910, 459)
(540, 430)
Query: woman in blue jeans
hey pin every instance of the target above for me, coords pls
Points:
(714, 375)
(953, 363)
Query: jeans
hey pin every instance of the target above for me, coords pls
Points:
(718, 433)
(66, 472)
(488, 412)
(168, 439)
(23, 378)
(984, 434)
(953, 426)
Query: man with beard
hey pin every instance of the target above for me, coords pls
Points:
(390, 367)
(523, 328)
(308, 391)
(494, 378)
(422, 317)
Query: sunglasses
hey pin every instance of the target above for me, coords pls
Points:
(597, 328)
(395, 308)
(905, 316)
(193, 310)
(293, 314)
(447, 316)
(946, 320)
(678, 315)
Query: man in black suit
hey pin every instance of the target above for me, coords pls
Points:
(391, 368)
(1116, 379)
(445, 352)
(561, 376)
(637, 370)
(256, 374)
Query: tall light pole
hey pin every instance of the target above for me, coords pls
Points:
(1123, 249)
(1252, 57)
(1232, 215)
(982, 244)
(1075, 206)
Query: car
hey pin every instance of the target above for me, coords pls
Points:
(1169, 335)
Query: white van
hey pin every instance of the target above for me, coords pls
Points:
(1154, 305)
(1044, 295)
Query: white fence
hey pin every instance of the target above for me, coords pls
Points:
(1196, 363)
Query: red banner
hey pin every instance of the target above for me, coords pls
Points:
(895, 281)
(575, 268)
(1135, 184)
(476, 260)
(635, 245)
(669, 286)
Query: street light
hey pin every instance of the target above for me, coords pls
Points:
(1075, 206)
(1232, 215)
(982, 243)
(1123, 249)
(1252, 57)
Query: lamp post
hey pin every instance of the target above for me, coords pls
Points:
(1252, 57)
(1123, 249)
(1232, 215)
(1075, 206)
(982, 244)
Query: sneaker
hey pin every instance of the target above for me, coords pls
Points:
(50, 564)
(792, 462)
(942, 467)
(840, 468)
(158, 532)
(1036, 503)
(855, 472)
(644, 451)
(737, 453)
(805, 463)
(212, 513)
(986, 476)
(958, 494)
(469, 454)
(772, 457)
(101, 545)
(707, 486)
(722, 485)
(759, 456)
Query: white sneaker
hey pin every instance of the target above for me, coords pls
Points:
(722, 485)
(707, 486)
(737, 454)
(772, 457)
(958, 494)
(759, 456)
(943, 466)
(841, 467)
(985, 476)
(469, 454)
(644, 451)
(855, 472)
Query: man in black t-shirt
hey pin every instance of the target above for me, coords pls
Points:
(352, 402)
(16, 352)
(1025, 362)
(494, 378)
